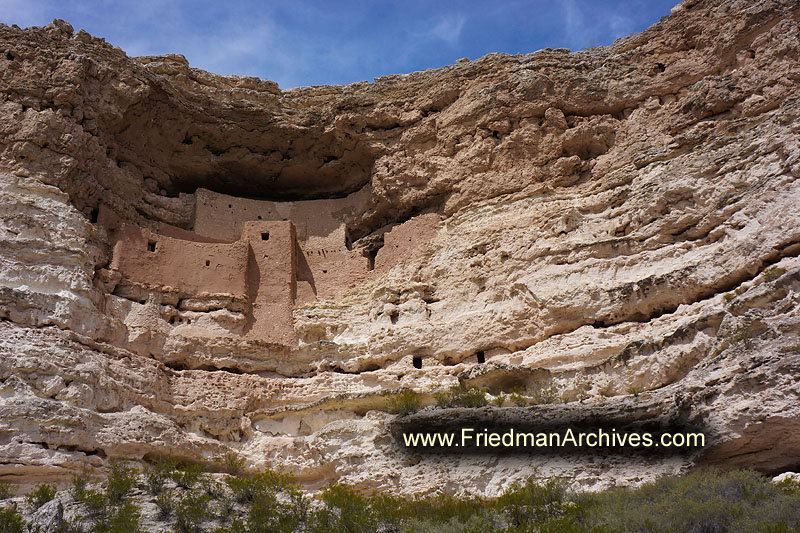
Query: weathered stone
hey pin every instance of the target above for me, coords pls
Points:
(618, 226)
(48, 517)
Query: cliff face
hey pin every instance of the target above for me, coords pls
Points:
(618, 226)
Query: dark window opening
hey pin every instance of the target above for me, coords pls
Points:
(371, 258)
(230, 206)
(661, 67)
(151, 246)
(9, 56)
(208, 263)
(417, 361)
(324, 271)
(172, 320)
(265, 236)
(93, 215)
(481, 356)
(393, 316)
(259, 217)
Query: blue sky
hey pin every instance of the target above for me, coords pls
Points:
(313, 42)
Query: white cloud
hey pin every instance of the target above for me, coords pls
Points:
(574, 25)
(448, 29)
(604, 24)
(620, 26)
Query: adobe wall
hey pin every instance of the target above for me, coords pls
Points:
(320, 224)
(186, 235)
(325, 267)
(406, 239)
(271, 280)
(268, 263)
(259, 268)
(193, 268)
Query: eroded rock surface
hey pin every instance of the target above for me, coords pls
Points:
(618, 226)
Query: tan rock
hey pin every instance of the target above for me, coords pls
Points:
(616, 226)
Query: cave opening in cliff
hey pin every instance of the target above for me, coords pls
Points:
(257, 185)
(258, 175)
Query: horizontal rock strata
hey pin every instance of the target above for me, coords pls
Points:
(618, 227)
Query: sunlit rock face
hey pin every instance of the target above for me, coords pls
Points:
(193, 264)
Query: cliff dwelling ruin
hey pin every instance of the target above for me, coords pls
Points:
(249, 261)
(193, 265)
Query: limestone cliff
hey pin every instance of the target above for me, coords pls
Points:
(618, 226)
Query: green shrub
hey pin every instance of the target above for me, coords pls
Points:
(191, 511)
(11, 521)
(772, 273)
(232, 464)
(345, 511)
(545, 395)
(165, 505)
(701, 501)
(212, 487)
(159, 471)
(728, 297)
(237, 526)
(120, 482)
(226, 509)
(517, 396)
(6, 490)
(274, 503)
(187, 474)
(788, 486)
(479, 522)
(704, 500)
(247, 490)
(533, 502)
(461, 396)
(267, 514)
(123, 518)
(444, 508)
(80, 483)
(404, 403)
(96, 502)
(40, 496)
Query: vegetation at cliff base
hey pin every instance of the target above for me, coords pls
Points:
(404, 403)
(461, 396)
(189, 499)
